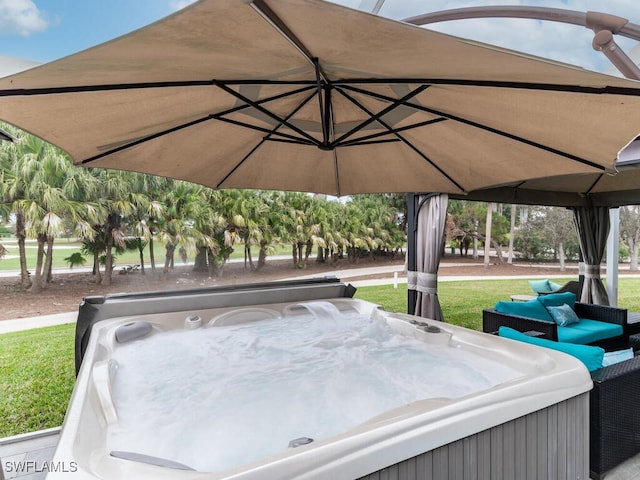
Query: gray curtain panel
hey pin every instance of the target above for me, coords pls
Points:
(592, 224)
(429, 246)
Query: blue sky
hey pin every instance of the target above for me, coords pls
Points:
(44, 30)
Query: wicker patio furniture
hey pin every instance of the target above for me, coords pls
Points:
(614, 417)
(492, 320)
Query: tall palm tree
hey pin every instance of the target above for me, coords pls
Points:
(16, 166)
(43, 189)
(114, 195)
(250, 220)
(273, 225)
(185, 204)
(57, 191)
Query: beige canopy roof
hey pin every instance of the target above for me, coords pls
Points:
(310, 96)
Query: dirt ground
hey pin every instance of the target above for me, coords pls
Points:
(68, 289)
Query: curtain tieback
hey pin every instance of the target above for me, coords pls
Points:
(591, 271)
(423, 282)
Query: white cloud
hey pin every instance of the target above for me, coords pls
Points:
(180, 4)
(21, 17)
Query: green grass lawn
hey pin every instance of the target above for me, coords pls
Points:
(36, 378)
(64, 248)
(37, 366)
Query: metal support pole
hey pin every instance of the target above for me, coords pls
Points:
(612, 256)
(412, 225)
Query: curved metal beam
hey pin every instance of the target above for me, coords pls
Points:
(603, 24)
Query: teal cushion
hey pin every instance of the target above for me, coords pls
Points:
(571, 334)
(616, 357)
(554, 286)
(531, 309)
(540, 286)
(597, 330)
(563, 315)
(557, 299)
(590, 356)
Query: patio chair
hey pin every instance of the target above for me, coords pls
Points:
(571, 286)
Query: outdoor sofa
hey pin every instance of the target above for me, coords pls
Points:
(599, 325)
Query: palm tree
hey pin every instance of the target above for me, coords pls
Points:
(211, 252)
(381, 229)
(44, 189)
(55, 192)
(185, 205)
(115, 198)
(297, 205)
(16, 165)
(273, 224)
(250, 220)
(142, 223)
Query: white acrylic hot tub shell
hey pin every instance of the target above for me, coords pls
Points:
(548, 377)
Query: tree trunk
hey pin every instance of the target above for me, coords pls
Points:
(262, 255)
(308, 250)
(108, 260)
(21, 233)
(215, 268)
(36, 285)
(141, 252)
(97, 275)
(247, 255)
(200, 263)
(511, 233)
(108, 265)
(498, 249)
(152, 256)
(633, 265)
(487, 242)
(47, 276)
(168, 259)
(294, 253)
(320, 255)
(562, 257)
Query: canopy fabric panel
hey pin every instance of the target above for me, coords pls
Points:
(311, 96)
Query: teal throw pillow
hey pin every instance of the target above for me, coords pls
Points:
(590, 356)
(557, 299)
(563, 315)
(554, 286)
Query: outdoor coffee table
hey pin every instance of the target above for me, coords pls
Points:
(522, 298)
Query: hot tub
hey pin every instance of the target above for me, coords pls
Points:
(509, 407)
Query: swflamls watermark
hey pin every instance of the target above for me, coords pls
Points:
(23, 467)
